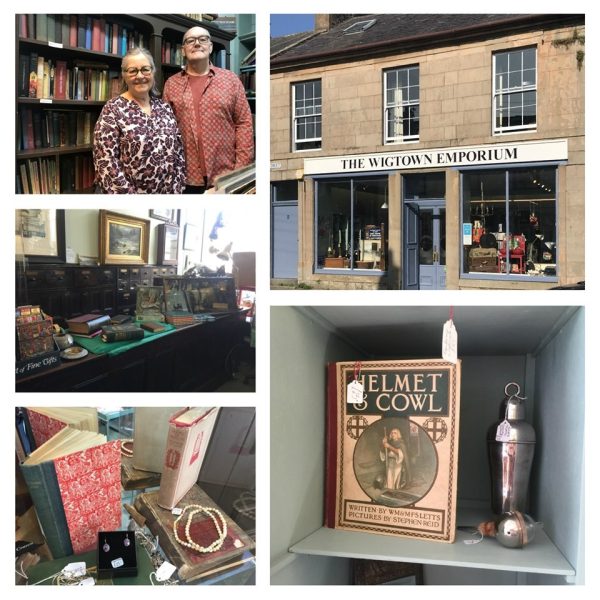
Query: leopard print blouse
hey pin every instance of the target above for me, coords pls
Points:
(136, 153)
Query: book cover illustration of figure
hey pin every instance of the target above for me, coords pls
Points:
(392, 458)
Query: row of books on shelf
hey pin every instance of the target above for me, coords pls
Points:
(171, 53)
(45, 176)
(54, 128)
(81, 31)
(59, 80)
(249, 81)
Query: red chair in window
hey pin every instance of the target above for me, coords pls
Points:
(516, 254)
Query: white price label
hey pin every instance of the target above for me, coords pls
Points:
(450, 342)
(165, 571)
(87, 581)
(355, 392)
(176, 511)
(118, 562)
(503, 432)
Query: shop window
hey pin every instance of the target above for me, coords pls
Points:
(284, 191)
(401, 117)
(509, 222)
(515, 90)
(306, 111)
(352, 224)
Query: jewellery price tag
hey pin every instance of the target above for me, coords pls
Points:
(118, 562)
(45, 100)
(87, 581)
(176, 511)
(74, 569)
(449, 342)
(55, 45)
(238, 543)
(355, 392)
(165, 571)
(503, 432)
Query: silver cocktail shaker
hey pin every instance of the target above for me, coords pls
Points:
(511, 445)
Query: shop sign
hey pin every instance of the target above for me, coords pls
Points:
(458, 156)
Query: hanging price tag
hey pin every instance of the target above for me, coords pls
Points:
(450, 342)
(503, 432)
(355, 392)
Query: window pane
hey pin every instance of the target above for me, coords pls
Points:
(333, 224)
(514, 237)
(299, 88)
(346, 244)
(414, 76)
(529, 77)
(391, 78)
(370, 223)
(529, 58)
(285, 191)
(403, 78)
(514, 79)
(515, 60)
(429, 186)
(501, 63)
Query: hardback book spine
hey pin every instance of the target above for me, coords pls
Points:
(330, 448)
(185, 450)
(121, 336)
(45, 493)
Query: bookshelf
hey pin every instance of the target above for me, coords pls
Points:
(247, 48)
(67, 67)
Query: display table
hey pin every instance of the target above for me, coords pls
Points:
(189, 359)
(42, 570)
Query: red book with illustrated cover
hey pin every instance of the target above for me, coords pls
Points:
(392, 447)
(90, 488)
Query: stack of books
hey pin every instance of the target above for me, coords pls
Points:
(87, 325)
(179, 318)
(34, 332)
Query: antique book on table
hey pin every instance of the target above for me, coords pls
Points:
(47, 422)
(150, 436)
(192, 565)
(121, 319)
(189, 433)
(74, 482)
(153, 327)
(120, 333)
(392, 448)
(87, 324)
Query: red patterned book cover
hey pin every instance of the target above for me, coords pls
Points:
(90, 487)
(42, 426)
(392, 447)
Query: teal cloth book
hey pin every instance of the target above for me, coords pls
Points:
(45, 493)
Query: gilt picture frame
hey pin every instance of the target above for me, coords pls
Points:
(123, 239)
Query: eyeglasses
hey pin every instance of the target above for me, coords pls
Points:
(133, 71)
(201, 39)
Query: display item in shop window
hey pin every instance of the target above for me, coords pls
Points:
(217, 518)
(511, 447)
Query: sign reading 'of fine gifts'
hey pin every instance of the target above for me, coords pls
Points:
(392, 458)
(458, 156)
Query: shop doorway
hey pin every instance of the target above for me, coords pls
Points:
(284, 229)
(424, 245)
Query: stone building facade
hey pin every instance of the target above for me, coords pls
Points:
(430, 155)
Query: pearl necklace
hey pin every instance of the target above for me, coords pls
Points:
(212, 513)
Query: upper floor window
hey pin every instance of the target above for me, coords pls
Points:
(515, 90)
(401, 118)
(306, 115)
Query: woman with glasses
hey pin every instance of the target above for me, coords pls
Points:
(137, 143)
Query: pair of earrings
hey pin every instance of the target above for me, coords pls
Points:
(126, 543)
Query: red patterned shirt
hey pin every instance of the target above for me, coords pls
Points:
(225, 130)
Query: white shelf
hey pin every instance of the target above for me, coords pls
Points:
(540, 556)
